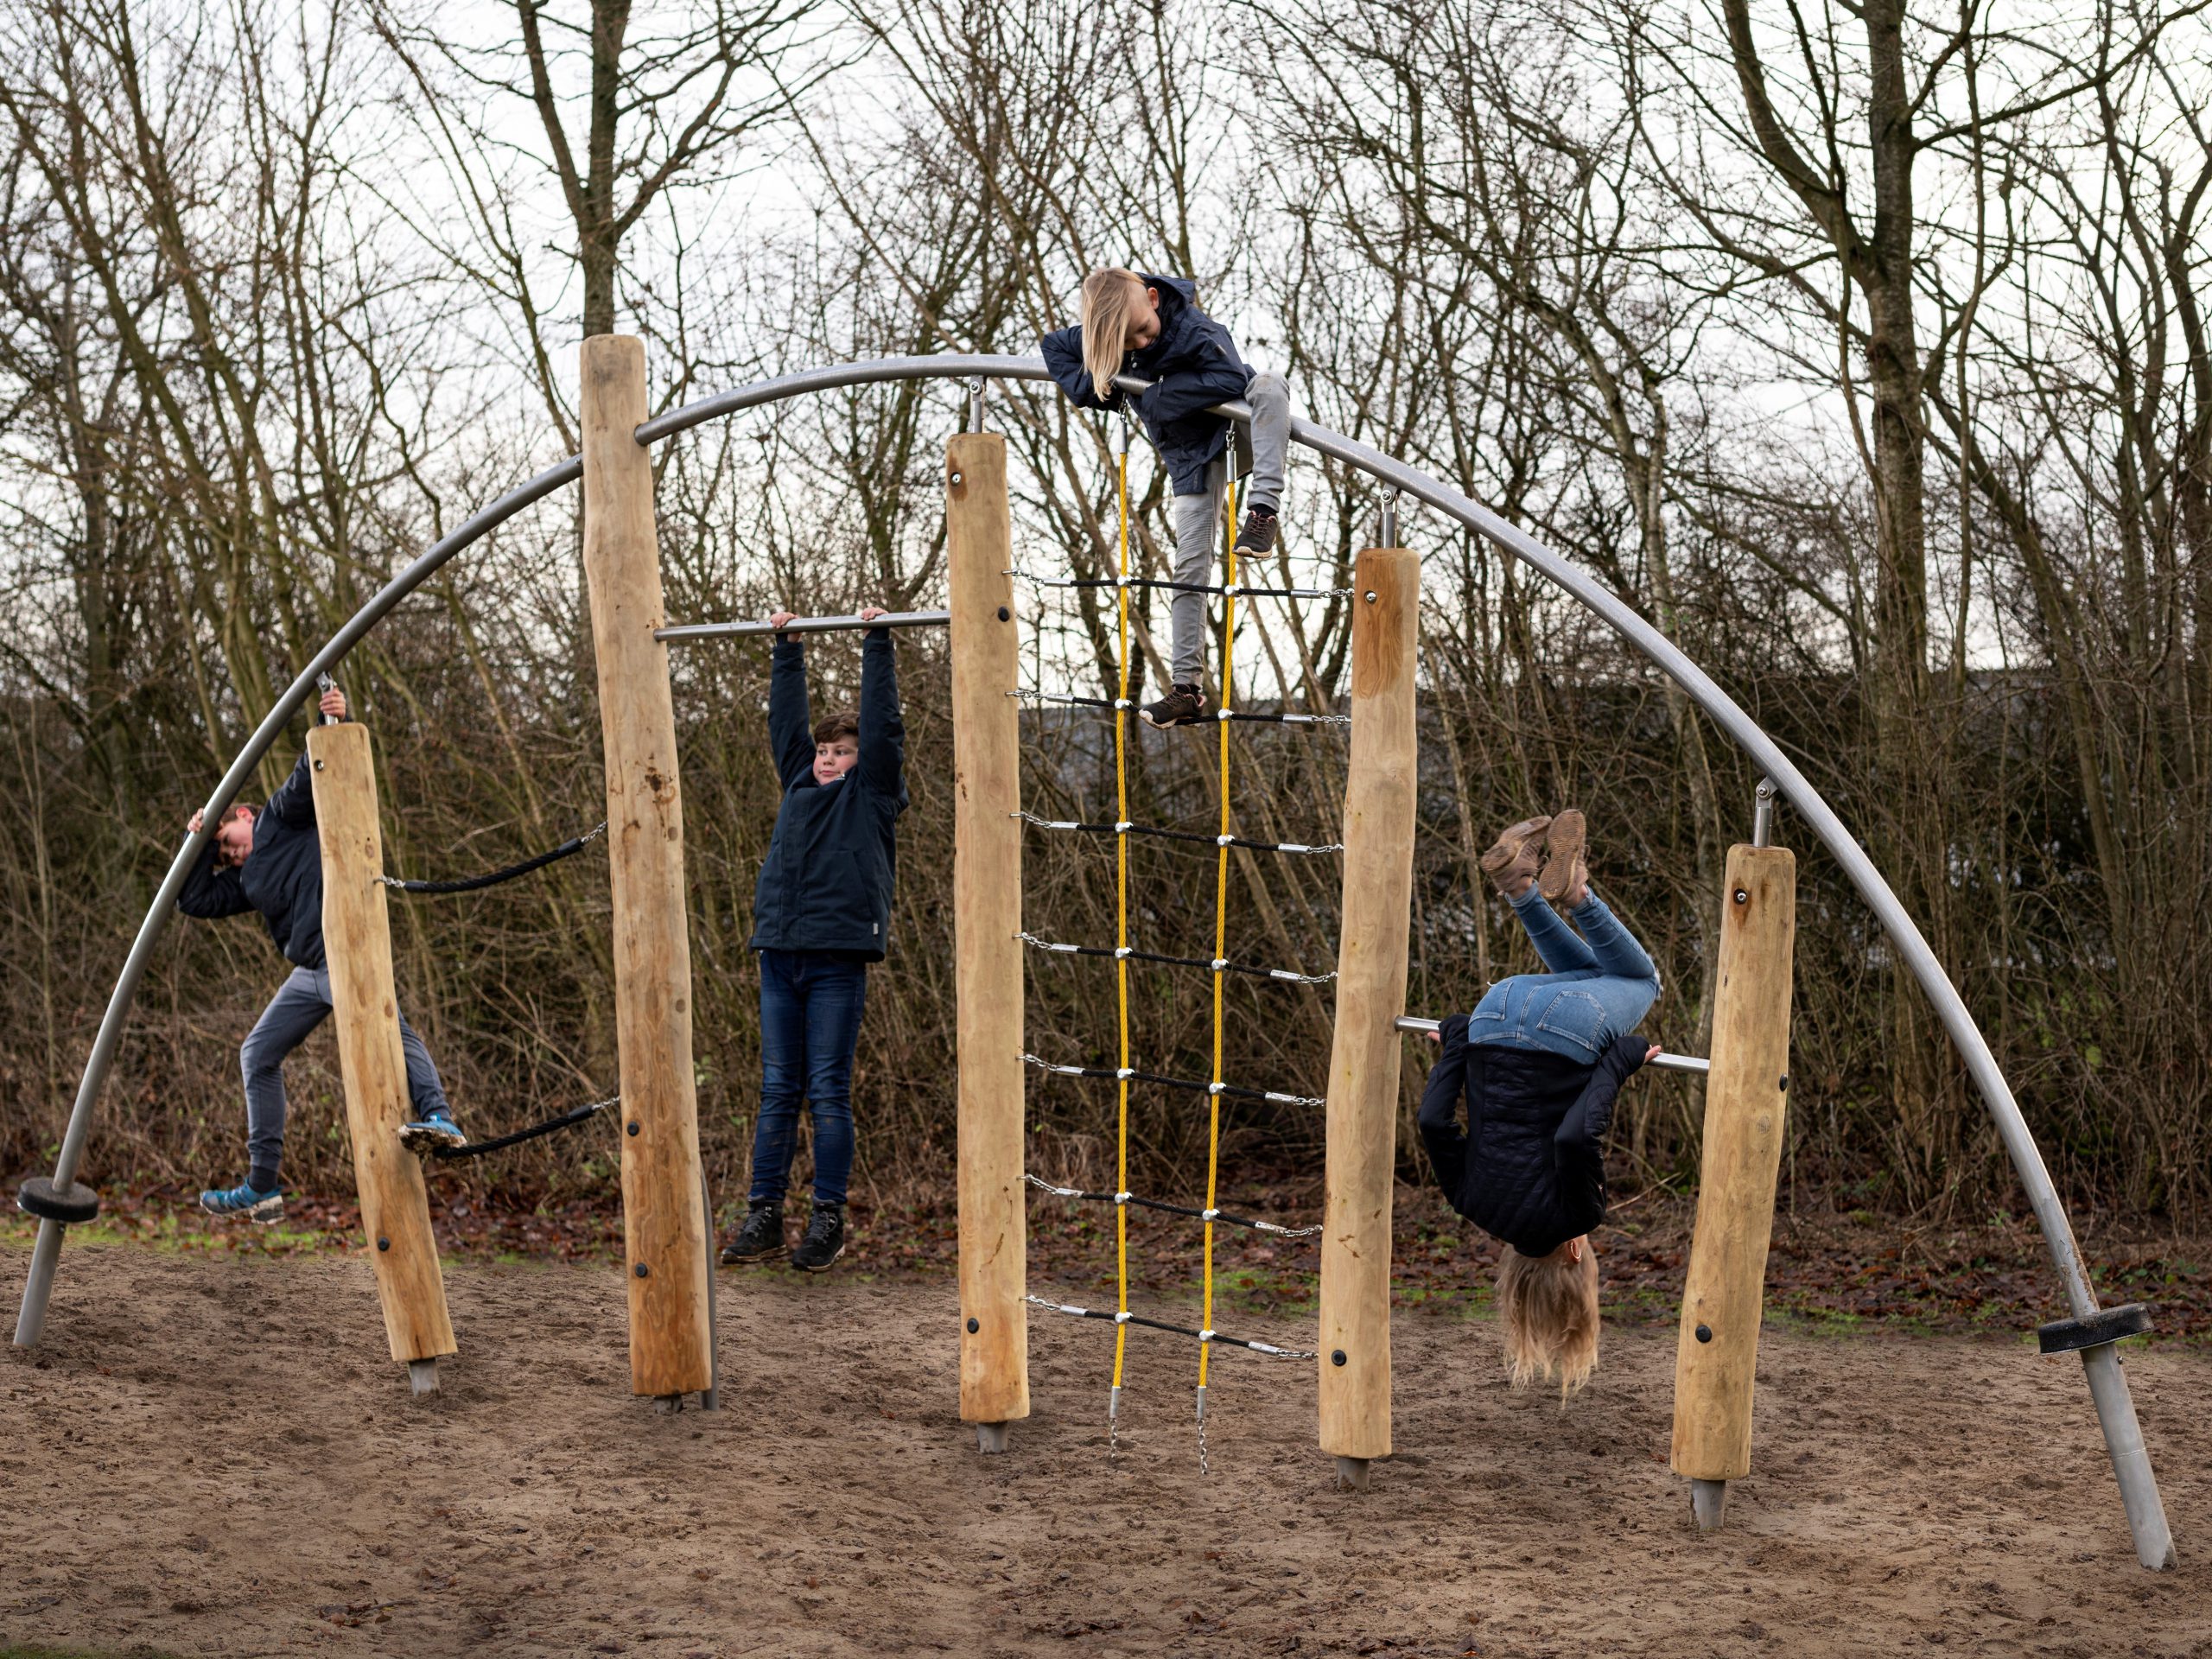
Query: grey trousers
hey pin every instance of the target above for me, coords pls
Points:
(301, 1003)
(1196, 517)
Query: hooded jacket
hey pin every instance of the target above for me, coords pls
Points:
(826, 882)
(1530, 1166)
(281, 878)
(1193, 367)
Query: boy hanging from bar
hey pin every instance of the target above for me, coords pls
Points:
(821, 913)
(1152, 325)
(271, 860)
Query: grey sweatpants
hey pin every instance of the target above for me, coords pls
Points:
(1198, 515)
(301, 1003)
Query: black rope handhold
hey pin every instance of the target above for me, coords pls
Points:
(568, 848)
(551, 1125)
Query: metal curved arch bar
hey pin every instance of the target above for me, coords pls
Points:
(2107, 1383)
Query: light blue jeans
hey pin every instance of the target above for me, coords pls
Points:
(1601, 983)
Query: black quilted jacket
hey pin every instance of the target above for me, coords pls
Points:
(1530, 1166)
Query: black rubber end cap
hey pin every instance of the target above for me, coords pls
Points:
(40, 1196)
(2110, 1325)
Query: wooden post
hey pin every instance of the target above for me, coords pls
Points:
(987, 916)
(357, 935)
(1380, 787)
(663, 1213)
(1717, 1352)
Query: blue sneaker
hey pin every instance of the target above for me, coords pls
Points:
(242, 1202)
(430, 1131)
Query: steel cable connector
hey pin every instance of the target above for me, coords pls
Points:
(1164, 1208)
(1126, 954)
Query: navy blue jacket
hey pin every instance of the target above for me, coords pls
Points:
(1530, 1166)
(1193, 367)
(281, 878)
(826, 882)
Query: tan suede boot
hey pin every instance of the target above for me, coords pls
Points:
(1511, 864)
(1564, 842)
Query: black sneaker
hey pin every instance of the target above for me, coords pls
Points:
(825, 1239)
(1184, 705)
(761, 1235)
(1262, 528)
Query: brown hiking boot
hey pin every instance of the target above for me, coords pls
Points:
(1184, 705)
(1512, 862)
(1261, 529)
(1564, 871)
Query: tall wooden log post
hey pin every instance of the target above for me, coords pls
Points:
(1746, 1092)
(664, 1220)
(357, 935)
(986, 917)
(1378, 874)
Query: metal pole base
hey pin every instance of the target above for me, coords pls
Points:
(30, 1317)
(422, 1377)
(1708, 1499)
(1351, 1474)
(990, 1437)
(710, 1400)
(2131, 1462)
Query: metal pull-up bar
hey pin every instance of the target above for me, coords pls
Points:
(1662, 1061)
(688, 632)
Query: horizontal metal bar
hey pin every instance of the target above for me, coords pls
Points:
(1663, 1061)
(684, 632)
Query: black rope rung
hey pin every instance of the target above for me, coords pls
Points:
(1166, 1208)
(1174, 835)
(1235, 589)
(1194, 1085)
(1214, 1336)
(551, 1125)
(1281, 717)
(568, 848)
(1281, 975)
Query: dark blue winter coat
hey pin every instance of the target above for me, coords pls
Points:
(826, 882)
(1529, 1168)
(281, 878)
(1193, 367)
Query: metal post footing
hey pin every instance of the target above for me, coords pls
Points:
(990, 1437)
(1708, 1500)
(422, 1375)
(1351, 1474)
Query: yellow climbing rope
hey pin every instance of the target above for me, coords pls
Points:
(1220, 934)
(1122, 925)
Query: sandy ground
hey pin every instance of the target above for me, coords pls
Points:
(212, 1455)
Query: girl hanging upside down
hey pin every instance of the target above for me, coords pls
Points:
(1540, 1062)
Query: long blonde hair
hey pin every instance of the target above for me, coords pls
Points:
(1111, 297)
(1548, 1318)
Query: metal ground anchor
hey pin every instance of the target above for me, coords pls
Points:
(1708, 1499)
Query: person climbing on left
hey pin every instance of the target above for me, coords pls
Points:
(271, 860)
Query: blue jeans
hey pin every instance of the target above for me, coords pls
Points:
(811, 1006)
(1601, 983)
(301, 1003)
